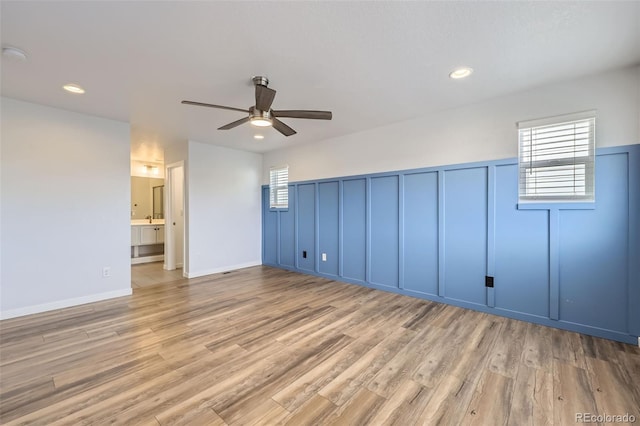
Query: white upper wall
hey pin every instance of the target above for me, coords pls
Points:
(65, 208)
(479, 132)
(223, 209)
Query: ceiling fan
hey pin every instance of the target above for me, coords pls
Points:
(262, 115)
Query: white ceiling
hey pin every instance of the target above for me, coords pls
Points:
(371, 63)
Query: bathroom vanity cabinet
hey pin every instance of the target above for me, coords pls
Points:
(147, 241)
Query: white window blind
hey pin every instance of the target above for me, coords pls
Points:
(279, 187)
(556, 159)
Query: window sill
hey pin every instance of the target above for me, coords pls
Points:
(556, 206)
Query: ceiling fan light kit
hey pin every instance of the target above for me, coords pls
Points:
(261, 114)
(260, 118)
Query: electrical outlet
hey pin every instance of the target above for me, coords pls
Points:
(324, 257)
(106, 272)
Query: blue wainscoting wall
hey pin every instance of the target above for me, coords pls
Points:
(435, 233)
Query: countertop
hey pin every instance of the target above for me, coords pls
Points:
(139, 222)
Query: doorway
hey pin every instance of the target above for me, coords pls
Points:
(175, 257)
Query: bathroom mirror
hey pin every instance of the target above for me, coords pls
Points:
(143, 203)
(158, 202)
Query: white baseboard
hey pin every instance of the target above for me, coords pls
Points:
(36, 309)
(147, 259)
(222, 269)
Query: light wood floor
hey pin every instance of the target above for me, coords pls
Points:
(146, 274)
(265, 346)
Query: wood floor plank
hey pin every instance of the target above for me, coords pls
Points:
(212, 362)
(314, 412)
(359, 410)
(306, 386)
(532, 400)
(439, 361)
(491, 402)
(449, 403)
(79, 387)
(263, 346)
(424, 312)
(537, 351)
(567, 347)
(406, 406)
(472, 355)
(630, 368)
(265, 412)
(200, 390)
(197, 416)
(610, 384)
(28, 391)
(103, 408)
(343, 387)
(405, 362)
(572, 393)
(266, 382)
(75, 404)
(506, 353)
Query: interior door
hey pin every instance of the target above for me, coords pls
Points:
(177, 214)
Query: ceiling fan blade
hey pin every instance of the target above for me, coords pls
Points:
(264, 97)
(315, 115)
(214, 106)
(282, 128)
(235, 123)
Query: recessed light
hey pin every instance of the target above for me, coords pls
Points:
(14, 52)
(461, 72)
(258, 137)
(73, 88)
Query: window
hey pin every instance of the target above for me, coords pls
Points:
(556, 161)
(279, 187)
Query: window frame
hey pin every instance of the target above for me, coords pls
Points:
(275, 188)
(586, 200)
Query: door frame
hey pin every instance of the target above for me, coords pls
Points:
(169, 238)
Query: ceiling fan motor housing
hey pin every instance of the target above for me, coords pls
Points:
(263, 81)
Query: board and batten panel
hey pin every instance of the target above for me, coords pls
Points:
(328, 225)
(354, 229)
(559, 265)
(384, 231)
(270, 231)
(465, 229)
(288, 231)
(521, 250)
(593, 252)
(306, 226)
(421, 232)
